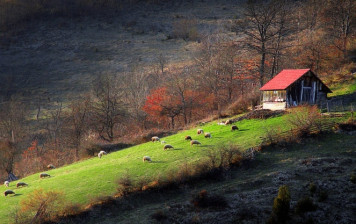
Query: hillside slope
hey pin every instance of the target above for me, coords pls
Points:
(83, 181)
(327, 161)
(61, 57)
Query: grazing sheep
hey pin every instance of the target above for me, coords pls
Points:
(21, 184)
(234, 127)
(200, 131)
(8, 192)
(207, 135)
(228, 122)
(7, 183)
(101, 153)
(168, 147)
(188, 137)
(51, 166)
(163, 142)
(195, 142)
(155, 139)
(221, 123)
(147, 158)
(43, 175)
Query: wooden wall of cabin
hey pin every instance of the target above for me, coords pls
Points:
(307, 89)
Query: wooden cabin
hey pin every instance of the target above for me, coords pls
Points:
(293, 87)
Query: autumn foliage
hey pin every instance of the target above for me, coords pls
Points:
(40, 206)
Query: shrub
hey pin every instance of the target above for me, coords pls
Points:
(203, 200)
(224, 156)
(40, 206)
(353, 178)
(305, 205)
(185, 29)
(159, 215)
(125, 185)
(71, 209)
(323, 195)
(304, 119)
(281, 205)
(312, 188)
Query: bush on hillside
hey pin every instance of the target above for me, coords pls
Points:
(159, 215)
(312, 188)
(186, 29)
(281, 205)
(125, 184)
(304, 119)
(40, 206)
(305, 205)
(204, 200)
(323, 195)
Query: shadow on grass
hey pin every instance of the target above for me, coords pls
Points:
(243, 129)
(15, 195)
(157, 162)
(206, 145)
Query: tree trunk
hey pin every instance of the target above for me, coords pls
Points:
(263, 59)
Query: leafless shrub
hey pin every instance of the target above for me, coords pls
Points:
(224, 156)
(185, 29)
(305, 118)
(204, 200)
(40, 206)
(125, 184)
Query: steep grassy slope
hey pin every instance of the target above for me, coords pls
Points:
(328, 161)
(85, 180)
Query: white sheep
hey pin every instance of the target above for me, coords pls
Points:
(7, 183)
(155, 139)
(163, 142)
(147, 158)
(195, 142)
(43, 175)
(200, 131)
(228, 122)
(168, 147)
(51, 166)
(221, 123)
(8, 192)
(207, 135)
(101, 153)
(21, 184)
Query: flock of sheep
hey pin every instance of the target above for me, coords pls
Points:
(192, 142)
(145, 158)
(23, 184)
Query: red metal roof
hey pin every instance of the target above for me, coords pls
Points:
(284, 79)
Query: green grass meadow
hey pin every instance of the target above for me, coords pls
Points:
(83, 181)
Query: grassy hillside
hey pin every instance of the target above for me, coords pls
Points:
(328, 161)
(85, 180)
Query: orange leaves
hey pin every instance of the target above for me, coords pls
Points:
(40, 206)
(154, 101)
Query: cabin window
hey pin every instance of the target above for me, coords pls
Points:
(274, 96)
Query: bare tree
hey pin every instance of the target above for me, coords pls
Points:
(78, 119)
(109, 110)
(340, 17)
(8, 152)
(13, 130)
(210, 75)
(54, 122)
(13, 119)
(263, 23)
(136, 86)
